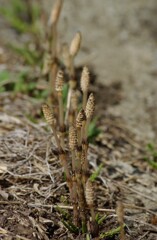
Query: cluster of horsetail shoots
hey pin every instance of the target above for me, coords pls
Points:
(69, 124)
(72, 145)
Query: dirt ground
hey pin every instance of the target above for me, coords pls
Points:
(120, 46)
(120, 41)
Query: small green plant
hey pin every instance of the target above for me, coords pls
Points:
(70, 226)
(100, 220)
(4, 79)
(22, 15)
(29, 56)
(65, 93)
(24, 18)
(111, 233)
(96, 173)
(152, 155)
(21, 83)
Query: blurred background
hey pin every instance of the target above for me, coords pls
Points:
(119, 43)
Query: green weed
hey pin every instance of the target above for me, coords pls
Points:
(21, 15)
(111, 233)
(152, 155)
(21, 83)
(70, 226)
(99, 219)
(96, 173)
(88, 236)
(65, 93)
(30, 56)
(4, 79)
(66, 220)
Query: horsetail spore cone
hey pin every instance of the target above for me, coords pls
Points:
(90, 106)
(80, 123)
(81, 117)
(84, 85)
(55, 13)
(75, 44)
(70, 121)
(72, 138)
(48, 114)
(59, 81)
(85, 80)
(89, 193)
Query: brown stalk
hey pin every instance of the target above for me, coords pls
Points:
(71, 118)
(64, 162)
(120, 216)
(66, 55)
(73, 107)
(89, 110)
(89, 193)
(73, 50)
(84, 165)
(52, 77)
(53, 20)
(59, 90)
(84, 85)
(76, 163)
(80, 124)
(72, 87)
(72, 146)
(48, 114)
(81, 196)
(84, 162)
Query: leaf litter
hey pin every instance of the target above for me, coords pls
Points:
(32, 182)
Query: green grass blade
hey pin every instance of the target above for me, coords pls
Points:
(111, 233)
(96, 173)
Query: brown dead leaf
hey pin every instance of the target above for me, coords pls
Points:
(154, 220)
